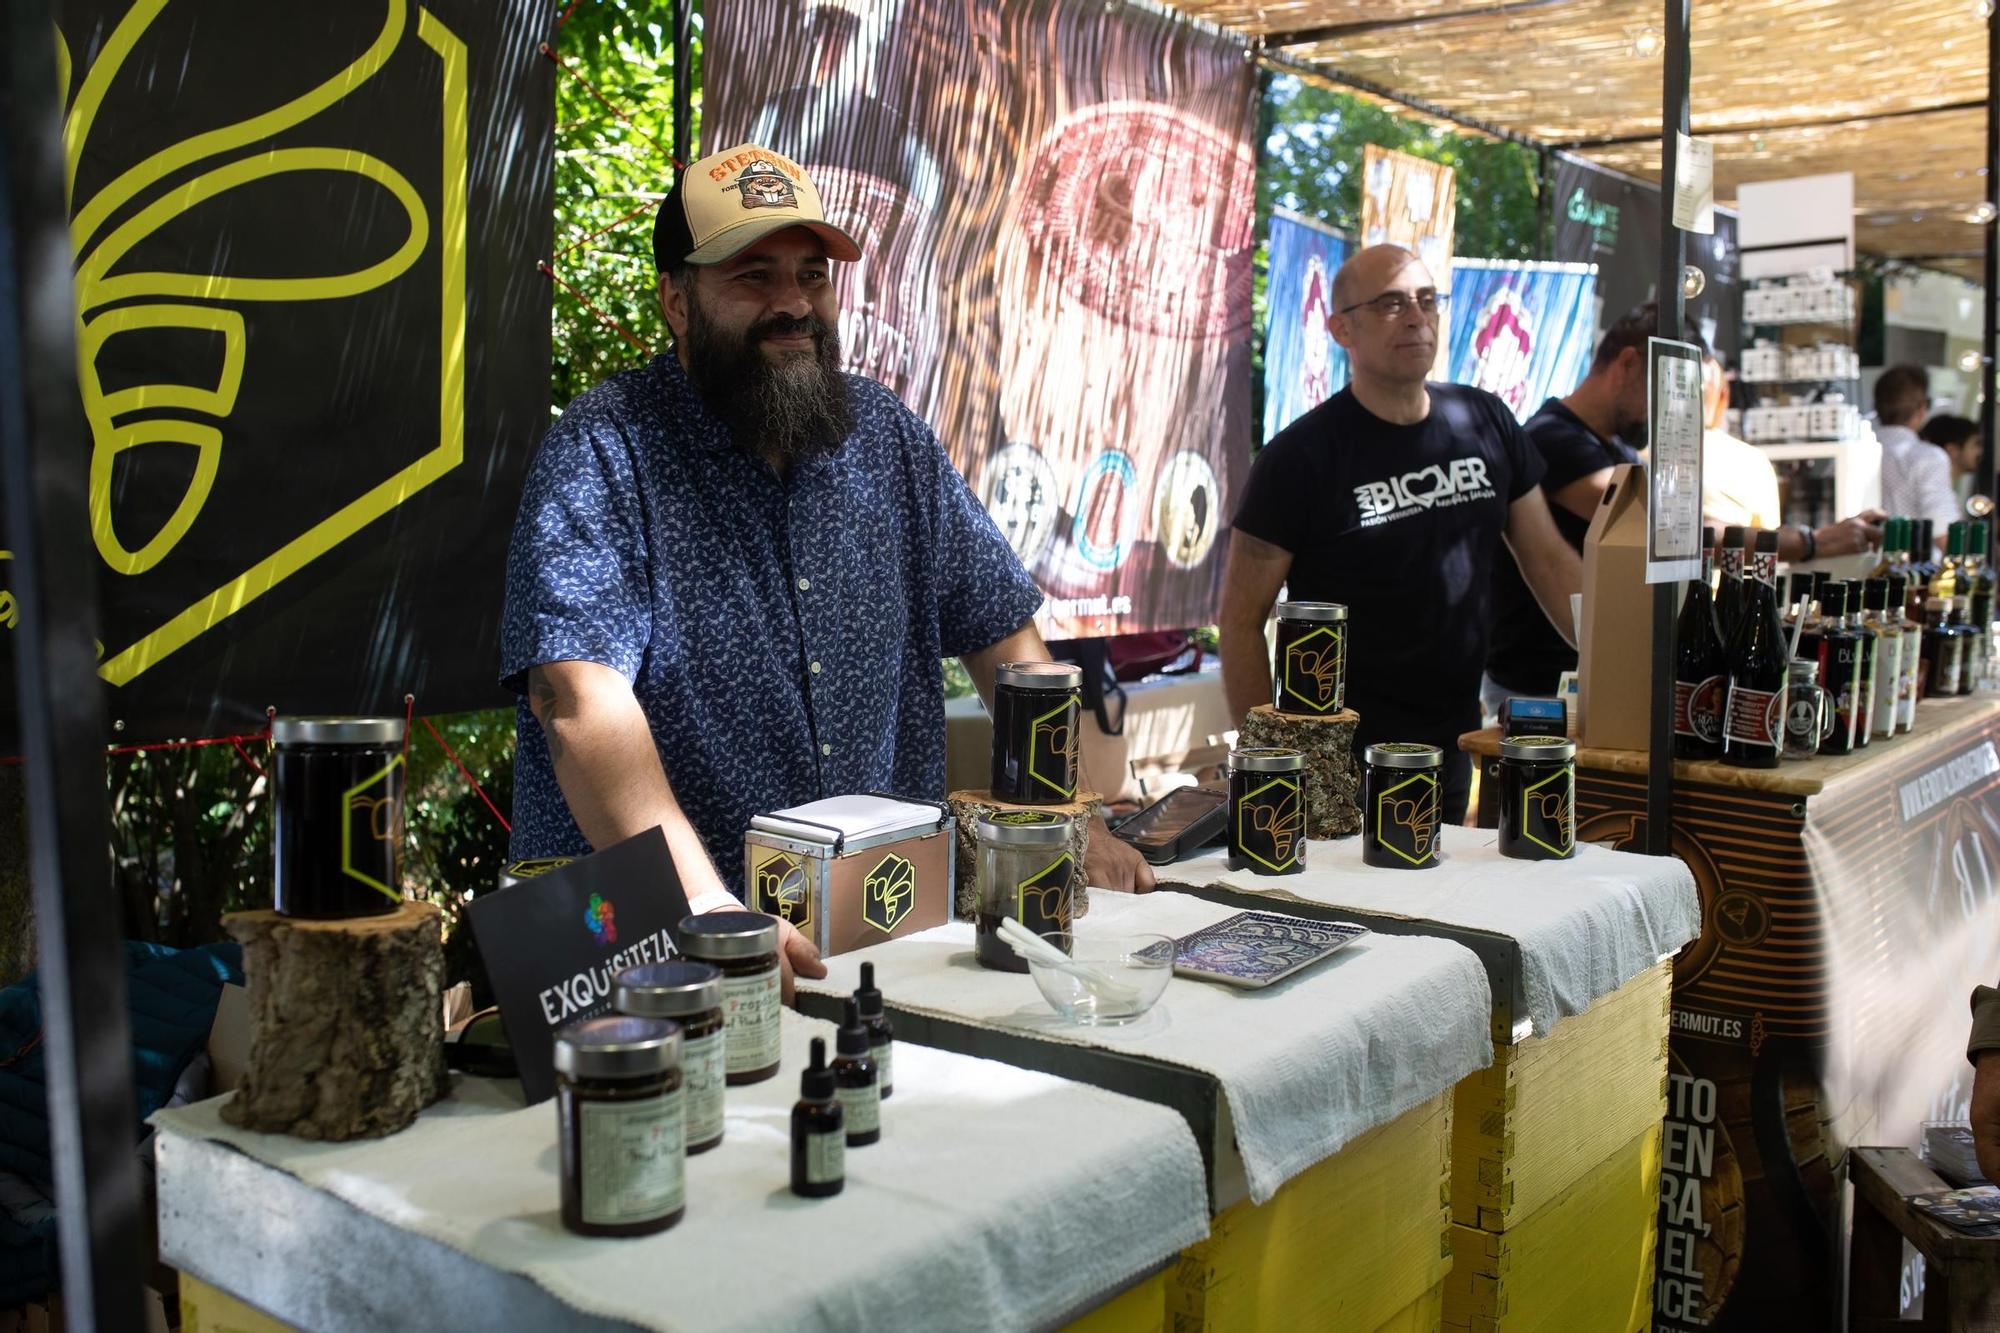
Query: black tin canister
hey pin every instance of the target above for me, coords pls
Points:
(337, 815)
(1309, 663)
(1538, 798)
(1036, 709)
(1399, 805)
(1267, 811)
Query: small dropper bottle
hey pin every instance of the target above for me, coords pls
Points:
(881, 1037)
(854, 1074)
(819, 1139)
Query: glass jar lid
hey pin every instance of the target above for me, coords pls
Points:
(1538, 749)
(668, 990)
(618, 1047)
(1320, 612)
(1404, 754)
(1267, 759)
(1039, 675)
(730, 935)
(337, 731)
(1025, 828)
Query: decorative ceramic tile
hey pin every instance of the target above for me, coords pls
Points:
(1253, 949)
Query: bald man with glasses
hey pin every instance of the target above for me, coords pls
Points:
(1394, 498)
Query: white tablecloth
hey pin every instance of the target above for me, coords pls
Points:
(1586, 926)
(1306, 1064)
(997, 1198)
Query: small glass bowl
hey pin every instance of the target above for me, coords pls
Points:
(1130, 974)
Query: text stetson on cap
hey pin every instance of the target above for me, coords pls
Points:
(728, 201)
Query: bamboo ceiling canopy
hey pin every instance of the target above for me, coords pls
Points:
(1892, 90)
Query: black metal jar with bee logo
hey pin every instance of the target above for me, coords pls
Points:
(1267, 811)
(1036, 709)
(1399, 805)
(1025, 868)
(1538, 798)
(1309, 661)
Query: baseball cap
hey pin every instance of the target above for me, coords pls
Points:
(728, 201)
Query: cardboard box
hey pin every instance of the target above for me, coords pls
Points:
(851, 871)
(1615, 657)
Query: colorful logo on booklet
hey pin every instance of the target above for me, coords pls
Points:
(598, 917)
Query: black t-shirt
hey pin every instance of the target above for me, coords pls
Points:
(1400, 524)
(1528, 657)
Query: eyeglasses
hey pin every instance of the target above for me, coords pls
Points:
(1392, 306)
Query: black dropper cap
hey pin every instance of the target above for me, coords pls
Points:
(866, 996)
(853, 1038)
(816, 1083)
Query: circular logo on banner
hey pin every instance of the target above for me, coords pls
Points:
(1740, 917)
(1102, 532)
(1143, 213)
(1021, 496)
(1184, 505)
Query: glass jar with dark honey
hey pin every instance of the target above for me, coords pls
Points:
(1399, 805)
(1025, 869)
(619, 1126)
(336, 816)
(689, 994)
(1037, 709)
(1309, 659)
(1267, 811)
(1538, 798)
(743, 946)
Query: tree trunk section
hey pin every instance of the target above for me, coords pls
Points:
(346, 1029)
(1333, 778)
(970, 806)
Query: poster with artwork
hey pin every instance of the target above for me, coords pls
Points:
(1303, 365)
(1410, 202)
(1522, 330)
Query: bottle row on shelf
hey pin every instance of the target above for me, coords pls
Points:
(1833, 418)
(1810, 299)
(1769, 363)
(1826, 666)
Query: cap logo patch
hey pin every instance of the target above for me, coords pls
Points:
(763, 185)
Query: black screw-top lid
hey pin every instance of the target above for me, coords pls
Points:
(1767, 542)
(853, 1039)
(1833, 600)
(1707, 538)
(866, 996)
(1899, 588)
(1856, 591)
(1875, 594)
(1732, 537)
(816, 1083)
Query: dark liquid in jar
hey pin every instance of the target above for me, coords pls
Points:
(994, 952)
(1400, 829)
(1537, 810)
(336, 830)
(1035, 744)
(1267, 822)
(1309, 667)
(571, 1093)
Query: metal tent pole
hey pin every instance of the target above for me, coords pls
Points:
(1673, 257)
(683, 80)
(1990, 334)
(86, 1038)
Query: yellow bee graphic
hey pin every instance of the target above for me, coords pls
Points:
(888, 893)
(1313, 667)
(118, 298)
(1418, 815)
(1283, 821)
(781, 890)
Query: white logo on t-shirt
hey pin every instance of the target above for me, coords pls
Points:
(1462, 481)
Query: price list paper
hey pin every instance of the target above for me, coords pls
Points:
(1673, 409)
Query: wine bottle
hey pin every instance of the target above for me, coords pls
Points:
(1870, 648)
(1910, 682)
(1888, 670)
(1839, 664)
(1754, 721)
(1943, 650)
(1700, 671)
(1979, 575)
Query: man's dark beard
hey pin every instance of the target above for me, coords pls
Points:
(784, 413)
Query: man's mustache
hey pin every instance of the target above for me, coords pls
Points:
(786, 326)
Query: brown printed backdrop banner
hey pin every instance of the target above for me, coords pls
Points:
(313, 347)
(1055, 206)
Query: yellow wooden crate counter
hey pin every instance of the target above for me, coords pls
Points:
(1356, 1242)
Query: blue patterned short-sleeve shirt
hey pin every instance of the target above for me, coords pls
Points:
(784, 639)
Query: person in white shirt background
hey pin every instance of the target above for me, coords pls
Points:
(1959, 438)
(1916, 474)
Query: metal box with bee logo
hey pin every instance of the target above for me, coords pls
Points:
(852, 871)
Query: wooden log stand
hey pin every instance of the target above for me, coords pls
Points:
(346, 1022)
(968, 807)
(1333, 779)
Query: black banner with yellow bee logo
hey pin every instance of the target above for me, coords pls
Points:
(312, 345)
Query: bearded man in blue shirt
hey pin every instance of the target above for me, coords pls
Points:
(736, 570)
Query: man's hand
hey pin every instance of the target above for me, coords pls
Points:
(1985, 1114)
(796, 957)
(1850, 536)
(1110, 862)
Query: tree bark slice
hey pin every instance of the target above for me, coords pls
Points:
(1333, 778)
(346, 1027)
(970, 806)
